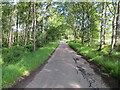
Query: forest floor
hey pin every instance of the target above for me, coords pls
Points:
(66, 69)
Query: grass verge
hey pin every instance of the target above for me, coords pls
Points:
(30, 61)
(108, 63)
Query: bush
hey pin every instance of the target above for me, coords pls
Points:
(12, 54)
(118, 48)
(15, 44)
(4, 44)
(78, 41)
(38, 44)
(29, 47)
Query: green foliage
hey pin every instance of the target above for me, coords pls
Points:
(30, 61)
(118, 47)
(54, 21)
(13, 54)
(38, 43)
(5, 44)
(29, 47)
(109, 63)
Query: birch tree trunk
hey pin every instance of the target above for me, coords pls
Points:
(82, 30)
(102, 32)
(10, 32)
(43, 32)
(117, 22)
(17, 30)
(27, 21)
(104, 35)
(89, 30)
(34, 26)
(113, 35)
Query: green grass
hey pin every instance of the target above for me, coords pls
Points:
(30, 61)
(0, 72)
(108, 63)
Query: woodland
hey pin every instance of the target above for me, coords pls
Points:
(32, 30)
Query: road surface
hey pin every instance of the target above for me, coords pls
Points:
(66, 69)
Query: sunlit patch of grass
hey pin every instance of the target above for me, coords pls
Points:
(29, 62)
(1, 72)
(1, 61)
(109, 63)
(26, 73)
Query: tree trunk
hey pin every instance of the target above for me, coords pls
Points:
(10, 33)
(31, 30)
(34, 26)
(75, 35)
(114, 28)
(13, 37)
(23, 38)
(117, 22)
(43, 32)
(26, 31)
(113, 35)
(89, 32)
(17, 30)
(82, 30)
(102, 32)
(27, 21)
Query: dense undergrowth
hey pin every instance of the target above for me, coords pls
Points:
(21, 62)
(108, 63)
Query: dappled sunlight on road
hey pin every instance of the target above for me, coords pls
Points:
(66, 69)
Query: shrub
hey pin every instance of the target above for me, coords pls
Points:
(38, 44)
(4, 44)
(78, 41)
(29, 47)
(118, 47)
(12, 54)
(15, 44)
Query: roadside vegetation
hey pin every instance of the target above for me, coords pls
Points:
(28, 28)
(30, 33)
(108, 63)
(95, 33)
(12, 71)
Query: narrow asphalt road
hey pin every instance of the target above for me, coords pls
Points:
(66, 69)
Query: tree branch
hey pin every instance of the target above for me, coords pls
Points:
(109, 9)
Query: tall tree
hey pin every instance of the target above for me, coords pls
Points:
(102, 31)
(117, 22)
(82, 28)
(34, 26)
(114, 34)
(27, 22)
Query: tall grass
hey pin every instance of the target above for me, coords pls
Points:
(109, 63)
(30, 61)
